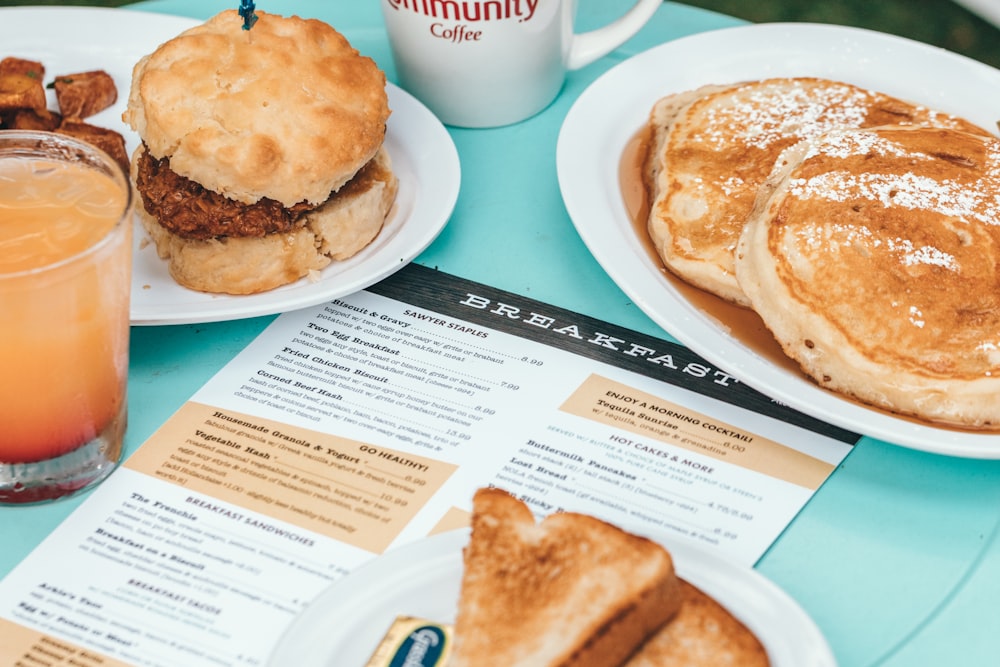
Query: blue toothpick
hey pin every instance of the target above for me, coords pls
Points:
(246, 11)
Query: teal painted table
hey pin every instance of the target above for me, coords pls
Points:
(897, 556)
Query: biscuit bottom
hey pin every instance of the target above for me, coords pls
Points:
(337, 230)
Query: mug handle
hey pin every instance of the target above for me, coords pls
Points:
(589, 46)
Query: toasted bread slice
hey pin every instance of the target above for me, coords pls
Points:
(873, 256)
(710, 155)
(569, 591)
(702, 634)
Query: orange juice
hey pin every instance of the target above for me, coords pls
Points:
(65, 261)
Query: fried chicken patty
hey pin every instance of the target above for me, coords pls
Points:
(193, 212)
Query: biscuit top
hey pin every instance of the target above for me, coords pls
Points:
(287, 110)
(900, 231)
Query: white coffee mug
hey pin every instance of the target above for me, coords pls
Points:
(495, 62)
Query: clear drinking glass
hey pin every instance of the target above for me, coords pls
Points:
(65, 275)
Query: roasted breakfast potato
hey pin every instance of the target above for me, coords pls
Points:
(32, 68)
(109, 141)
(30, 119)
(23, 104)
(21, 91)
(83, 94)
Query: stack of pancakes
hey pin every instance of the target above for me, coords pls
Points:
(863, 229)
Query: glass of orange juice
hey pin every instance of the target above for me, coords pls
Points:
(65, 275)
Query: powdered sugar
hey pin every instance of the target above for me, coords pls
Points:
(911, 255)
(834, 236)
(910, 191)
(976, 200)
(732, 184)
(760, 116)
(845, 143)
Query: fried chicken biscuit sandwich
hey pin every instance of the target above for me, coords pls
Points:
(261, 158)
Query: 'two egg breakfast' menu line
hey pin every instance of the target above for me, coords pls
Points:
(367, 422)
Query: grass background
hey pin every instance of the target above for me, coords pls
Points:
(939, 22)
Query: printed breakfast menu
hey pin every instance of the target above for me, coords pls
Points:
(350, 428)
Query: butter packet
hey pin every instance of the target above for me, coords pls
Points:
(413, 642)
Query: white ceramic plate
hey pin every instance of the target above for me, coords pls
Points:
(345, 623)
(424, 157)
(604, 119)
